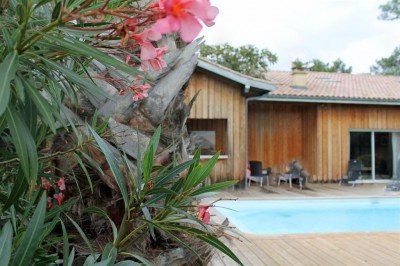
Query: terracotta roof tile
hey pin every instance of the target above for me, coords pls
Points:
(338, 85)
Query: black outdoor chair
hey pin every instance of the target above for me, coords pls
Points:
(257, 174)
(354, 174)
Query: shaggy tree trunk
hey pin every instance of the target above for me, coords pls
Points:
(131, 125)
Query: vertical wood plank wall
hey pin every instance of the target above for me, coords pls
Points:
(334, 123)
(316, 134)
(281, 132)
(219, 99)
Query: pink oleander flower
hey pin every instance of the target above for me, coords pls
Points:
(59, 197)
(139, 95)
(147, 50)
(184, 15)
(156, 63)
(204, 215)
(45, 184)
(61, 183)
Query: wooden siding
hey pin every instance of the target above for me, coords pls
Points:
(316, 134)
(220, 99)
(333, 125)
(281, 132)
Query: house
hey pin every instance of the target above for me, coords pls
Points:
(321, 119)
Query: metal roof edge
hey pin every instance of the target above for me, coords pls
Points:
(235, 76)
(273, 98)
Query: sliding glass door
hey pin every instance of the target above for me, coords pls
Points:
(378, 151)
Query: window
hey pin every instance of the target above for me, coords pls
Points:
(209, 134)
(379, 153)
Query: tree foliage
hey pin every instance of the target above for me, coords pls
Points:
(390, 10)
(338, 66)
(246, 59)
(388, 65)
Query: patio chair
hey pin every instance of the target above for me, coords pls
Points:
(394, 185)
(294, 172)
(257, 174)
(354, 174)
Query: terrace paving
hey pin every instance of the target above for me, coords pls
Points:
(311, 249)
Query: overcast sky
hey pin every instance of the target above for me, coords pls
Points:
(308, 29)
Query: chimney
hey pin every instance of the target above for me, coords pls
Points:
(299, 79)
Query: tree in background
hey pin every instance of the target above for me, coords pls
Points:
(246, 59)
(390, 10)
(317, 65)
(389, 65)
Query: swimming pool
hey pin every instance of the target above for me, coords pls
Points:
(306, 216)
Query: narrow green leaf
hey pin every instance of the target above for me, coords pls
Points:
(110, 254)
(76, 46)
(147, 161)
(32, 236)
(6, 237)
(18, 189)
(214, 187)
(144, 261)
(71, 257)
(113, 165)
(65, 244)
(105, 215)
(83, 235)
(23, 143)
(160, 180)
(70, 75)
(83, 167)
(8, 69)
(30, 115)
(196, 159)
(45, 109)
(207, 238)
(147, 215)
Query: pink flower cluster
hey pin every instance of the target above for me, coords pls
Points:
(203, 214)
(171, 16)
(139, 88)
(57, 186)
(184, 15)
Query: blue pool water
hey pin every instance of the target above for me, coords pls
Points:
(313, 216)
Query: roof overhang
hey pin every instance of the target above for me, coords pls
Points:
(296, 99)
(247, 82)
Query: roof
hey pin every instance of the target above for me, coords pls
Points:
(247, 81)
(337, 87)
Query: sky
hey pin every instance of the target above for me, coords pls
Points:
(307, 29)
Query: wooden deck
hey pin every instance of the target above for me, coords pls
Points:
(315, 249)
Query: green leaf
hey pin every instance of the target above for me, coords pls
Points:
(201, 172)
(113, 165)
(110, 254)
(65, 245)
(6, 237)
(214, 187)
(140, 258)
(79, 48)
(147, 162)
(70, 75)
(208, 238)
(23, 143)
(45, 109)
(160, 180)
(18, 189)
(83, 235)
(30, 115)
(102, 213)
(8, 69)
(147, 215)
(32, 236)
